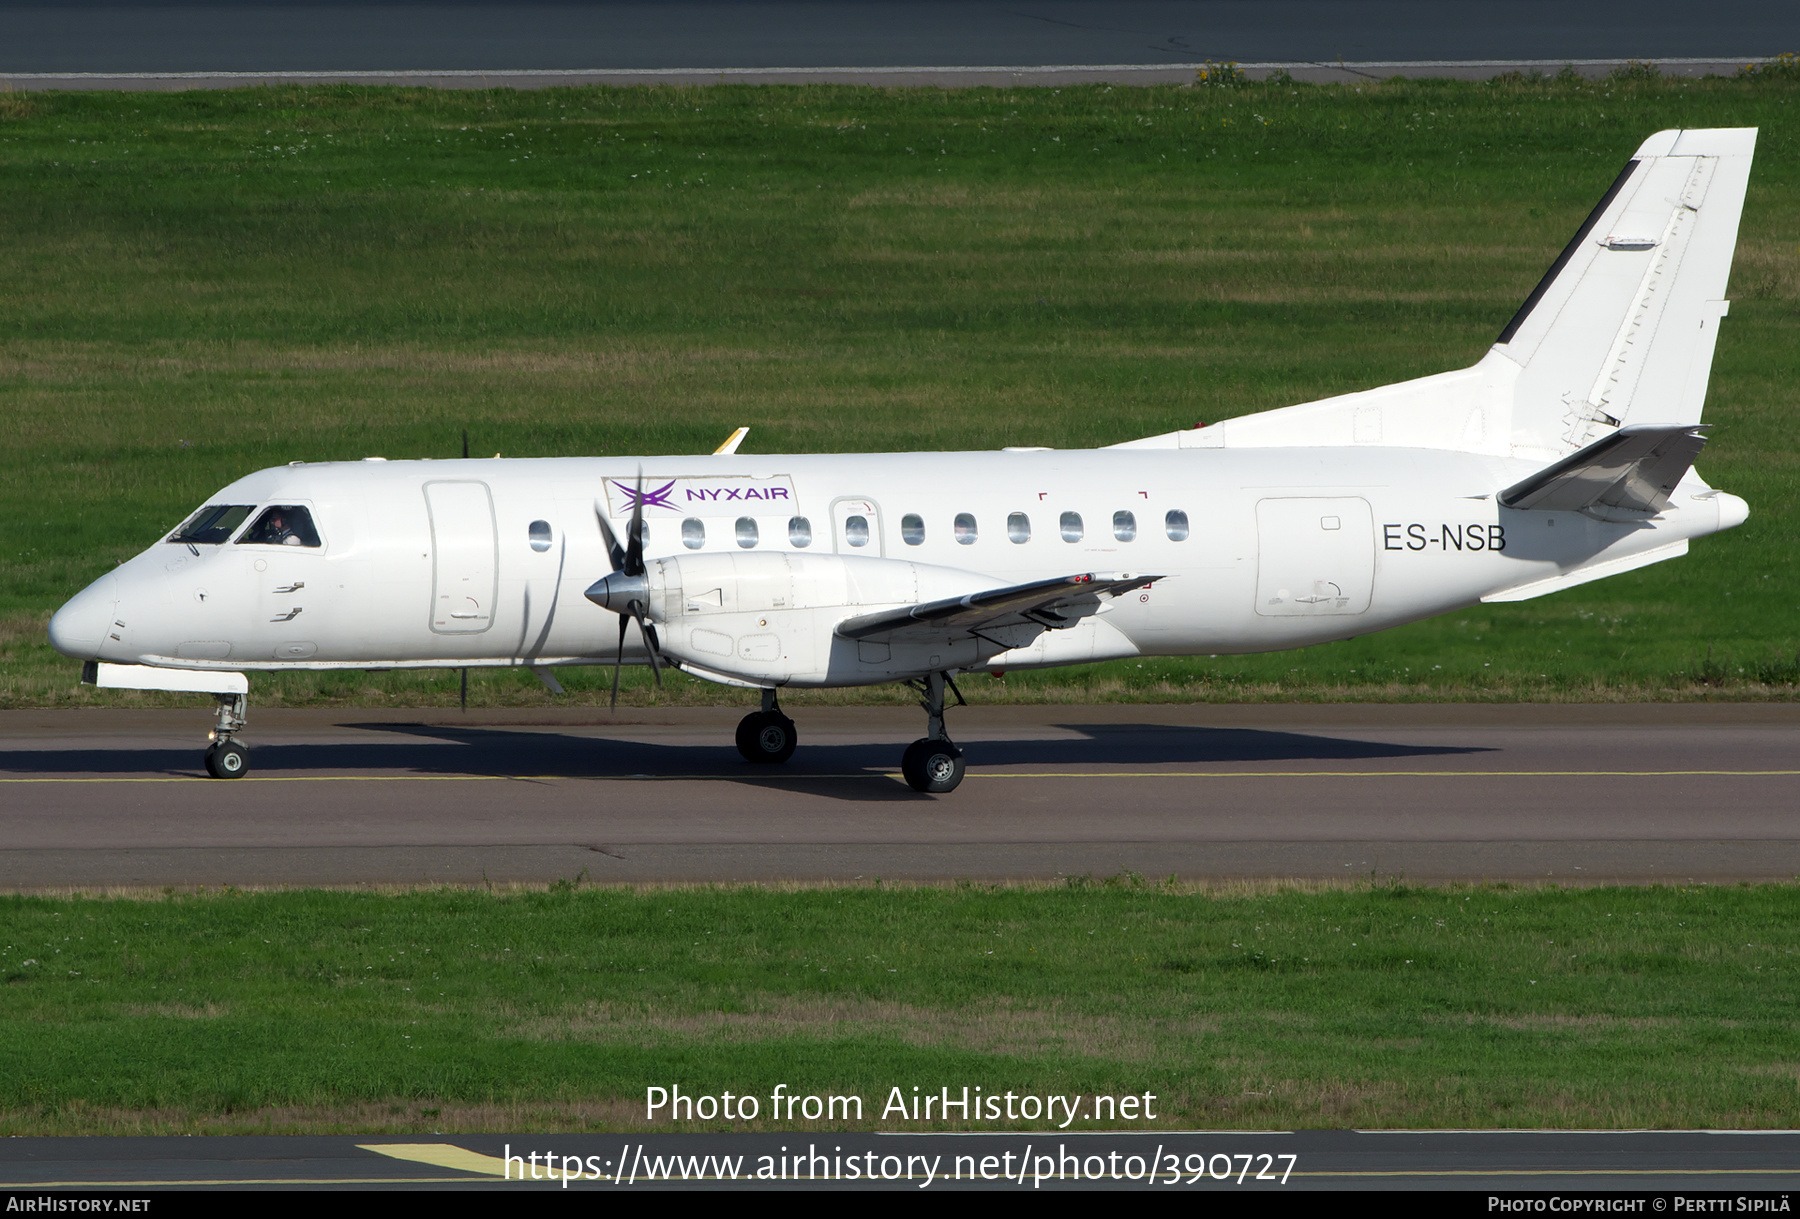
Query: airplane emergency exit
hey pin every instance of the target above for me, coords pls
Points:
(1564, 455)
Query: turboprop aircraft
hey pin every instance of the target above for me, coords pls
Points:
(1564, 455)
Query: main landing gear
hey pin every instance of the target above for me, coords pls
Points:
(767, 736)
(225, 758)
(933, 764)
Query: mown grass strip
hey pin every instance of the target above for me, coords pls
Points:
(1248, 1007)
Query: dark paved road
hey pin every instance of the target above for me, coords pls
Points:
(386, 36)
(1574, 1164)
(1706, 793)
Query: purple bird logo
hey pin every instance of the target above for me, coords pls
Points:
(657, 497)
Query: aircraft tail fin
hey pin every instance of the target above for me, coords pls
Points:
(1621, 329)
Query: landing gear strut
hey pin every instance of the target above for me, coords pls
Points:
(933, 764)
(225, 758)
(766, 736)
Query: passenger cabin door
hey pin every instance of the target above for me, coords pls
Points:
(464, 557)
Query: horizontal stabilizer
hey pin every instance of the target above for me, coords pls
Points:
(1635, 469)
(1045, 603)
(1588, 574)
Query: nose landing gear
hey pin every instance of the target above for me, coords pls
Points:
(933, 764)
(767, 736)
(225, 758)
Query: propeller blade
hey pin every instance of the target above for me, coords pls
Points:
(614, 552)
(634, 533)
(650, 642)
(627, 561)
(619, 663)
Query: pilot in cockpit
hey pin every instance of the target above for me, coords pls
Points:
(283, 525)
(275, 529)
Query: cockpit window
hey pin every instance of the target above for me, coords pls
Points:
(213, 525)
(282, 525)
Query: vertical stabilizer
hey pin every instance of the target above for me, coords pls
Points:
(1621, 329)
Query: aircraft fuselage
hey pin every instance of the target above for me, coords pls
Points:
(484, 562)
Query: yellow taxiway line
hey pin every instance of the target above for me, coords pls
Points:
(449, 1155)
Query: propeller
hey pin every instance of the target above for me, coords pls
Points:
(626, 592)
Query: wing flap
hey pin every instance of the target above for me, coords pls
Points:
(1049, 603)
(1635, 469)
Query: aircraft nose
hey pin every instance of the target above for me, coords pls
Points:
(80, 627)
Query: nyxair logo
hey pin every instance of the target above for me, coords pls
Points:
(657, 497)
(698, 496)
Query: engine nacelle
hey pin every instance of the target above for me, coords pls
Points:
(770, 618)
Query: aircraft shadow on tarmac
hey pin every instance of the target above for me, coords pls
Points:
(433, 750)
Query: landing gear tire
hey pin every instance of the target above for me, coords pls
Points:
(766, 737)
(227, 760)
(932, 766)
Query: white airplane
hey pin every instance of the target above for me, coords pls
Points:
(1563, 456)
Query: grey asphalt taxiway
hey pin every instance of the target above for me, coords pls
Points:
(1573, 1164)
(1672, 793)
(188, 44)
(290, 35)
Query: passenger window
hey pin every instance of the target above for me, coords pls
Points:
(539, 533)
(856, 530)
(1018, 528)
(213, 524)
(965, 529)
(693, 533)
(746, 531)
(640, 530)
(1175, 525)
(1071, 526)
(1124, 526)
(282, 525)
(799, 532)
(912, 529)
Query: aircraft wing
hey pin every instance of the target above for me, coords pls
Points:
(1050, 603)
(1636, 468)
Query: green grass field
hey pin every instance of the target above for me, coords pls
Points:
(1250, 1009)
(201, 284)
